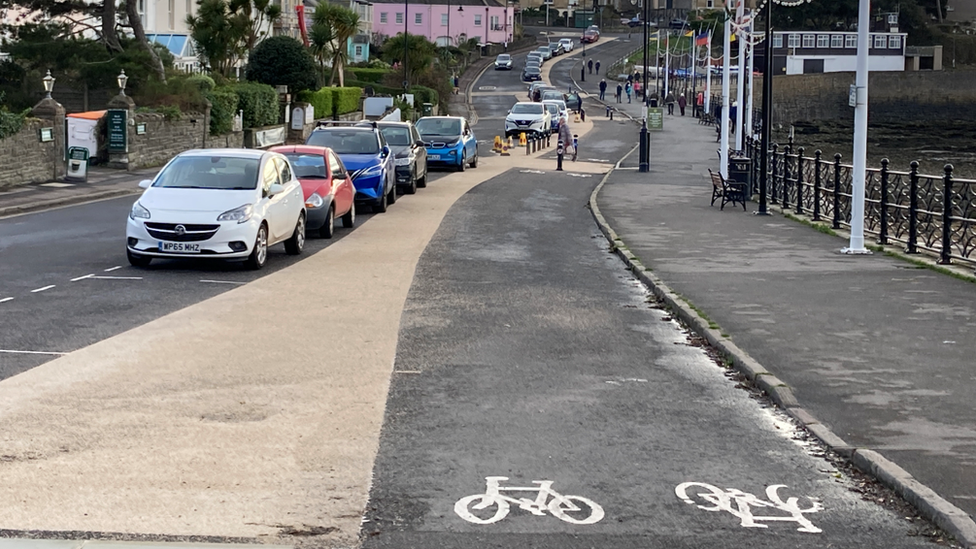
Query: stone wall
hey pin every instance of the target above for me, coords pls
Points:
(30, 160)
(164, 138)
(893, 96)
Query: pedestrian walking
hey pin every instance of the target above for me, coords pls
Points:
(589, 65)
(628, 89)
(670, 102)
(564, 134)
(637, 88)
(603, 88)
(682, 103)
(598, 66)
(620, 91)
(579, 104)
(630, 78)
(699, 103)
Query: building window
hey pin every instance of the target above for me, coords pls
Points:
(880, 41)
(836, 40)
(359, 51)
(778, 41)
(823, 40)
(711, 4)
(477, 19)
(494, 23)
(794, 41)
(850, 41)
(894, 42)
(809, 40)
(399, 18)
(418, 18)
(443, 19)
(383, 17)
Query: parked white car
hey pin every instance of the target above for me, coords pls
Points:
(218, 203)
(529, 117)
(567, 43)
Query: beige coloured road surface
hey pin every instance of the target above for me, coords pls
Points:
(249, 415)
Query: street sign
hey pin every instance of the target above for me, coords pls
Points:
(118, 141)
(852, 96)
(655, 118)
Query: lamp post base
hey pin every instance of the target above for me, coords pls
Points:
(856, 251)
(644, 166)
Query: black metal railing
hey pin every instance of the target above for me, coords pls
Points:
(934, 213)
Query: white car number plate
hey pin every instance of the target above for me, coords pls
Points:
(179, 247)
(433, 157)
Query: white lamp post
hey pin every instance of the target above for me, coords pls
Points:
(122, 79)
(48, 84)
(858, 174)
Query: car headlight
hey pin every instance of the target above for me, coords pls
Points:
(138, 212)
(240, 215)
(370, 172)
(314, 201)
(405, 161)
(535, 123)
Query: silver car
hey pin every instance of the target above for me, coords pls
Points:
(503, 62)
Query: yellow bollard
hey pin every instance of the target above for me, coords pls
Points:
(522, 140)
(497, 146)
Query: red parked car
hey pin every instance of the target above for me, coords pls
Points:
(327, 187)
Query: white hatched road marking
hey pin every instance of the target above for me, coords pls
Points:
(42, 289)
(117, 267)
(101, 277)
(10, 351)
(222, 281)
(76, 279)
(6, 299)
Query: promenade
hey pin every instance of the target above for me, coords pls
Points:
(873, 352)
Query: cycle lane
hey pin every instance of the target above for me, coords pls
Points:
(526, 351)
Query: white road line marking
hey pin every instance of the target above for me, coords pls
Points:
(82, 277)
(6, 299)
(42, 289)
(31, 352)
(222, 281)
(116, 277)
(117, 267)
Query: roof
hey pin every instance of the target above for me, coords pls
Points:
(482, 3)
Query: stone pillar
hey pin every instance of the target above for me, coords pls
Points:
(120, 160)
(52, 112)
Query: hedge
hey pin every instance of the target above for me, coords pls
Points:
(372, 76)
(377, 88)
(423, 94)
(259, 103)
(223, 108)
(346, 99)
(321, 100)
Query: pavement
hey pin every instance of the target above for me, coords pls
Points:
(872, 353)
(102, 183)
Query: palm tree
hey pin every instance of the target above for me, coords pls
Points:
(344, 24)
(320, 36)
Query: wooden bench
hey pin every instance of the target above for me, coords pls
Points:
(729, 192)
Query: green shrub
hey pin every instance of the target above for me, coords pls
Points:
(11, 123)
(373, 76)
(259, 103)
(169, 112)
(223, 107)
(423, 94)
(321, 100)
(282, 61)
(377, 88)
(202, 82)
(346, 99)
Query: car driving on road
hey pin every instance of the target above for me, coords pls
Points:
(503, 62)
(531, 74)
(450, 141)
(328, 191)
(218, 203)
(366, 156)
(531, 118)
(567, 44)
(409, 154)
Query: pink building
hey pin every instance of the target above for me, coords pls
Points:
(446, 21)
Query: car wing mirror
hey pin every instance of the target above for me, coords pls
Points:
(386, 151)
(145, 183)
(419, 143)
(275, 189)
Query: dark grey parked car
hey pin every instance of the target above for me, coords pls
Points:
(409, 154)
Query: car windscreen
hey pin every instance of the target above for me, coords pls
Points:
(532, 70)
(439, 127)
(210, 172)
(308, 166)
(396, 135)
(503, 57)
(551, 95)
(345, 141)
(527, 108)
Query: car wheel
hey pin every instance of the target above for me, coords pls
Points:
(349, 220)
(474, 161)
(328, 229)
(380, 205)
(422, 182)
(460, 167)
(137, 260)
(391, 196)
(259, 255)
(296, 243)
(412, 187)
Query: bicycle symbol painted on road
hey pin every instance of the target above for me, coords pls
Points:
(741, 504)
(572, 509)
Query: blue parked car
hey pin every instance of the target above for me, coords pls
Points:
(367, 157)
(449, 140)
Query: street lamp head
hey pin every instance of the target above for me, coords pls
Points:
(122, 79)
(460, 8)
(48, 83)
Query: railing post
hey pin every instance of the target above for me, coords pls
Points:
(786, 174)
(799, 181)
(816, 184)
(883, 230)
(913, 210)
(772, 197)
(945, 257)
(836, 223)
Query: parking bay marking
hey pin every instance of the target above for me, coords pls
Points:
(11, 351)
(110, 269)
(222, 281)
(34, 291)
(6, 299)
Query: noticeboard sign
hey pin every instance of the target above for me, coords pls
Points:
(118, 141)
(655, 118)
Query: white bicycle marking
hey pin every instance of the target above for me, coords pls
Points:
(740, 504)
(559, 506)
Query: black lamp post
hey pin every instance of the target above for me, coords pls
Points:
(767, 109)
(486, 29)
(645, 161)
(406, 19)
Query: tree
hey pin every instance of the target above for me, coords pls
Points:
(140, 33)
(421, 53)
(226, 30)
(282, 61)
(344, 24)
(320, 36)
(253, 18)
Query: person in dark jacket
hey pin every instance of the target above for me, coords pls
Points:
(589, 65)
(682, 103)
(603, 88)
(598, 67)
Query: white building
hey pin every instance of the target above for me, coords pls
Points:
(807, 52)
